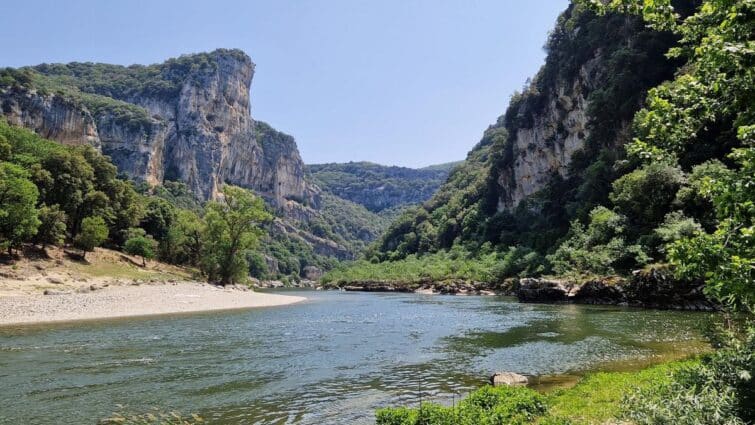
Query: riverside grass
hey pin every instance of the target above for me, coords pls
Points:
(595, 399)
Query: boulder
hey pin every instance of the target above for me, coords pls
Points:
(312, 273)
(601, 291)
(55, 280)
(544, 290)
(508, 378)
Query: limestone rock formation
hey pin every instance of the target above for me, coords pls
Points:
(187, 119)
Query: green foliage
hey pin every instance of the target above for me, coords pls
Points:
(646, 194)
(159, 216)
(486, 406)
(442, 265)
(232, 227)
(599, 248)
(52, 227)
(707, 110)
(93, 233)
(18, 212)
(142, 246)
(718, 390)
(726, 257)
(182, 244)
(379, 187)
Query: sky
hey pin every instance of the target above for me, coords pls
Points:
(396, 82)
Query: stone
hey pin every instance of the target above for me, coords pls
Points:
(508, 378)
(312, 273)
(53, 292)
(544, 290)
(55, 280)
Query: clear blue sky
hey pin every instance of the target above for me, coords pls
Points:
(404, 82)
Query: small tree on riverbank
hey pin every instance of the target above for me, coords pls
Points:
(93, 233)
(142, 246)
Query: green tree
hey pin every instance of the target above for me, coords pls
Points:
(232, 227)
(143, 246)
(93, 233)
(18, 215)
(5, 149)
(52, 228)
(182, 243)
(715, 91)
(598, 248)
(158, 217)
(645, 194)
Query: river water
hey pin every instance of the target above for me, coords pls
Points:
(330, 360)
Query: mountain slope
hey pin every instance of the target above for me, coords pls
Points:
(379, 187)
(553, 155)
(185, 124)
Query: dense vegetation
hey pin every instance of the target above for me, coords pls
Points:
(684, 194)
(379, 187)
(53, 194)
(618, 209)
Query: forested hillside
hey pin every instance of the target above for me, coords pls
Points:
(552, 178)
(380, 188)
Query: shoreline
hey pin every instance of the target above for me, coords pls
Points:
(131, 301)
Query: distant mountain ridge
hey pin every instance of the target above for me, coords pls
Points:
(379, 187)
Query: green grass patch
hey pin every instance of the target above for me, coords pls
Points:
(595, 399)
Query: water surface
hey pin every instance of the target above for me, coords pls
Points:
(332, 359)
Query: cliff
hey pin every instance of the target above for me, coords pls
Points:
(552, 156)
(187, 119)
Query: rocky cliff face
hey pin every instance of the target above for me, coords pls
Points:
(545, 149)
(187, 119)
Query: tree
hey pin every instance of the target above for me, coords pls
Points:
(158, 217)
(182, 243)
(18, 215)
(93, 233)
(143, 246)
(710, 103)
(52, 228)
(598, 248)
(232, 227)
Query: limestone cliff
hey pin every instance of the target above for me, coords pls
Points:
(187, 119)
(545, 149)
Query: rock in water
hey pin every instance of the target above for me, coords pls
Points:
(508, 378)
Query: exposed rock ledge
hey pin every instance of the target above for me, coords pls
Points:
(448, 287)
(653, 288)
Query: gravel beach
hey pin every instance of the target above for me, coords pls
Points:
(132, 300)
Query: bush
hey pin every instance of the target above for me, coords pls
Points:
(719, 390)
(488, 405)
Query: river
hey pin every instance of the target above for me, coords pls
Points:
(330, 360)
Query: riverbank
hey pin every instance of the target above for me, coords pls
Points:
(48, 285)
(132, 300)
(597, 398)
(654, 287)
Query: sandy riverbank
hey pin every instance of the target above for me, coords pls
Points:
(125, 301)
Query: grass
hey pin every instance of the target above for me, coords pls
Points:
(597, 397)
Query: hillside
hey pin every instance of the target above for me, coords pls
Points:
(180, 130)
(552, 156)
(378, 187)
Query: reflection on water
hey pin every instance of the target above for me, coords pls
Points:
(332, 359)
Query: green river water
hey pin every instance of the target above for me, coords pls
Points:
(330, 360)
